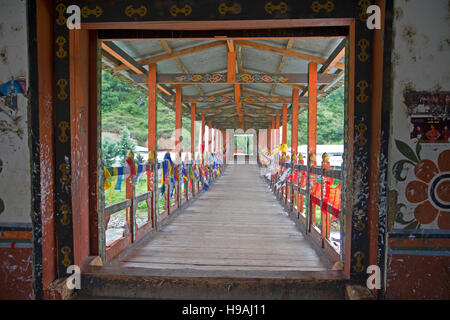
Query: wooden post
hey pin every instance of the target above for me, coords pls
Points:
(312, 108)
(209, 136)
(178, 120)
(294, 121)
(312, 130)
(224, 143)
(326, 217)
(152, 142)
(272, 135)
(203, 139)
(284, 133)
(193, 106)
(277, 129)
(269, 128)
(214, 148)
(178, 124)
(131, 212)
(257, 146)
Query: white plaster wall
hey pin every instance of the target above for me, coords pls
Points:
(15, 175)
(420, 62)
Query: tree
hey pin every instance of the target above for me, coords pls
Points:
(110, 150)
(140, 158)
(125, 144)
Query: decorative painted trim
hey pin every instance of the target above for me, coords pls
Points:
(62, 142)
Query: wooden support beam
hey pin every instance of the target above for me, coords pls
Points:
(123, 57)
(331, 62)
(231, 67)
(119, 55)
(284, 133)
(312, 109)
(178, 124)
(178, 62)
(285, 52)
(193, 105)
(174, 54)
(294, 147)
(289, 45)
(230, 44)
(334, 58)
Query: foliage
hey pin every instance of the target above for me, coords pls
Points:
(124, 105)
(330, 121)
(110, 151)
(125, 144)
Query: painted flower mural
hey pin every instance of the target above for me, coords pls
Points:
(429, 191)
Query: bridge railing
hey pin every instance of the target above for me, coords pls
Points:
(313, 195)
(143, 210)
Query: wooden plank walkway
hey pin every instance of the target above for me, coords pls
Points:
(237, 225)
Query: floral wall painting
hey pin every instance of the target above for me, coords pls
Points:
(424, 187)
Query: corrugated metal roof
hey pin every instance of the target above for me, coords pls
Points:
(215, 60)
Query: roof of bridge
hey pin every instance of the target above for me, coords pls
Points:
(256, 56)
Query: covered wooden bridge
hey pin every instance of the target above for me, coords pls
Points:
(256, 224)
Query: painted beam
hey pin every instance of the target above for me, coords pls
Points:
(241, 78)
(230, 98)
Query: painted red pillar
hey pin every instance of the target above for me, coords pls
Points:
(277, 129)
(203, 138)
(224, 143)
(294, 122)
(152, 108)
(210, 136)
(152, 152)
(178, 124)
(312, 108)
(193, 106)
(312, 128)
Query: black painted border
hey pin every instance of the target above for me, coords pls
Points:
(62, 136)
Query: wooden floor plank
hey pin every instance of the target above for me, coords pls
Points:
(236, 225)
